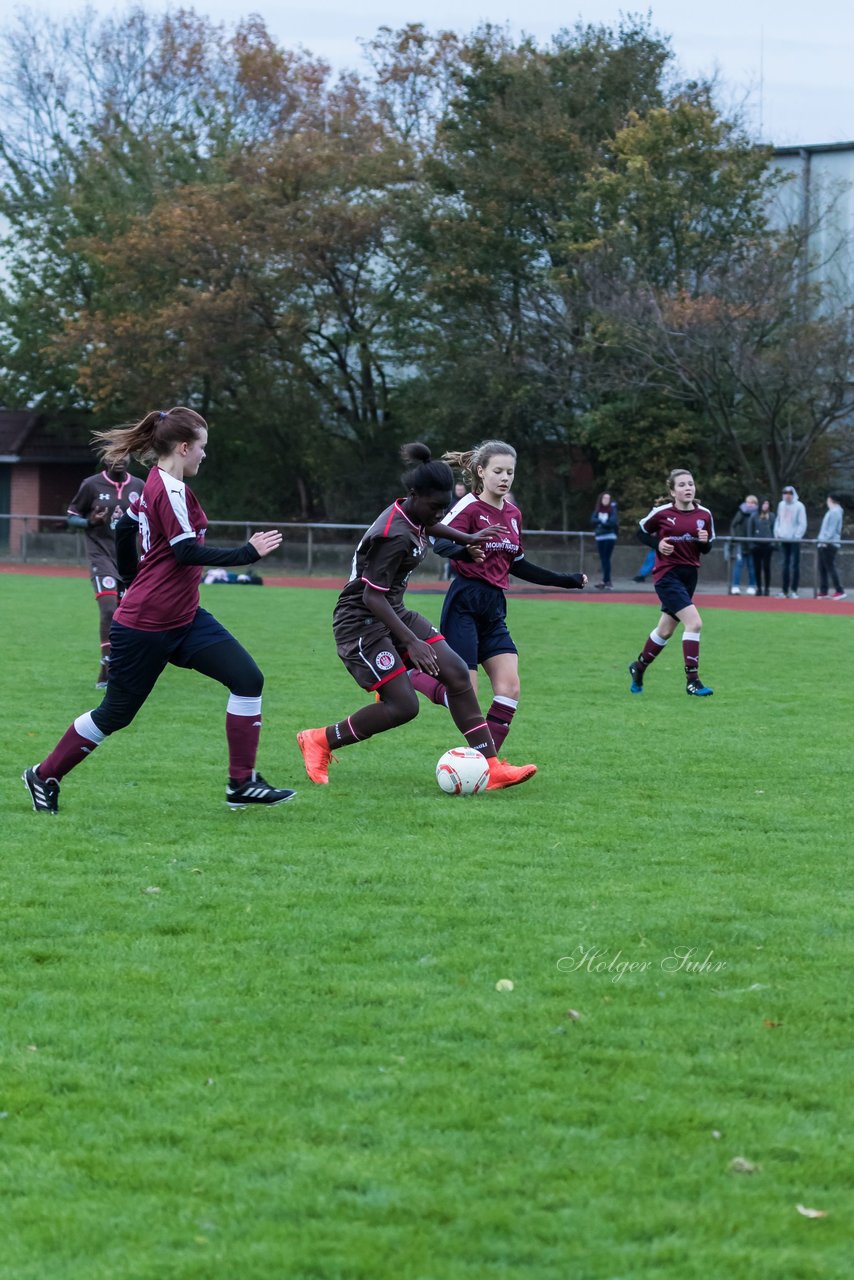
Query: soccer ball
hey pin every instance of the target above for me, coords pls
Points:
(462, 771)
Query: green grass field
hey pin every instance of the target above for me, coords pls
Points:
(269, 1045)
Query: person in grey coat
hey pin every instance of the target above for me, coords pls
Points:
(789, 529)
(827, 545)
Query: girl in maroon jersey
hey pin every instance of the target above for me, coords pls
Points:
(159, 620)
(475, 610)
(378, 638)
(680, 531)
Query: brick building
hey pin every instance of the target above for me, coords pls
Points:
(42, 462)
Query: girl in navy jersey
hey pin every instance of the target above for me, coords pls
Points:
(680, 531)
(379, 639)
(159, 620)
(474, 614)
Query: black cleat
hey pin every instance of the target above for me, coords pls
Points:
(255, 790)
(698, 690)
(636, 672)
(45, 795)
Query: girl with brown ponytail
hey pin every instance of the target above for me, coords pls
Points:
(159, 620)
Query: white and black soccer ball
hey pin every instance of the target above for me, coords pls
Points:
(462, 771)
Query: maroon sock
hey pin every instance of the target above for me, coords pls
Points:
(691, 654)
(499, 717)
(651, 649)
(72, 749)
(242, 732)
(429, 686)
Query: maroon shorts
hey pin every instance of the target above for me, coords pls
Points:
(373, 656)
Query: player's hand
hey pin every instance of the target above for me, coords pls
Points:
(491, 531)
(423, 657)
(584, 580)
(666, 547)
(98, 515)
(702, 535)
(264, 543)
(476, 553)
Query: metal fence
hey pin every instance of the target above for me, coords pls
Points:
(326, 550)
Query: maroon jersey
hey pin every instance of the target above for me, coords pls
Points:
(164, 594)
(681, 528)
(101, 491)
(471, 514)
(384, 559)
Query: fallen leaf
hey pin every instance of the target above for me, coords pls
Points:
(573, 1014)
(810, 1213)
(504, 984)
(771, 1025)
(716, 1133)
(152, 888)
(740, 1165)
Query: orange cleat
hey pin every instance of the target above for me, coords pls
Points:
(502, 774)
(316, 752)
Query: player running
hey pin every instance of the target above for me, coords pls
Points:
(378, 638)
(97, 507)
(475, 610)
(680, 531)
(159, 620)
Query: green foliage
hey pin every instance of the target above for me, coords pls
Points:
(480, 235)
(270, 1044)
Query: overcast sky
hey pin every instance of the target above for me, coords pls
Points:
(790, 63)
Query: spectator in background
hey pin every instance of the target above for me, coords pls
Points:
(761, 531)
(829, 541)
(789, 529)
(604, 522)
(97, 507)
(740, 550)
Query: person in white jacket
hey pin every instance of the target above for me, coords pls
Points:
(789, 528)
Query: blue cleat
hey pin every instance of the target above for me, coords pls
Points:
(697, 689)
(636, 672)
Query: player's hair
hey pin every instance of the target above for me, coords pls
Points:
(479, 456)
(425, 475)
(154, 436)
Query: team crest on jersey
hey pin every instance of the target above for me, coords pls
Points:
(108, 583)
(515, 525)
(701, 524)
(385, 660)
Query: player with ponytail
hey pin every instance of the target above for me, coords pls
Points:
(159, 620)
(474, 616)
(680, 531)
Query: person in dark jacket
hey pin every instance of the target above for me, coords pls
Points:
(760, 530)
(605, 526)
(740, 551)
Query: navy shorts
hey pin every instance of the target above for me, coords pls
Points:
(676, 589)
(474, 621)
(137, 658)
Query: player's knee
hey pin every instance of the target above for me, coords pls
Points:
(249, 682)
(115, 712)
(401, 702)
(456, 676)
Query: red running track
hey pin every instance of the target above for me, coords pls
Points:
(712, 600)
